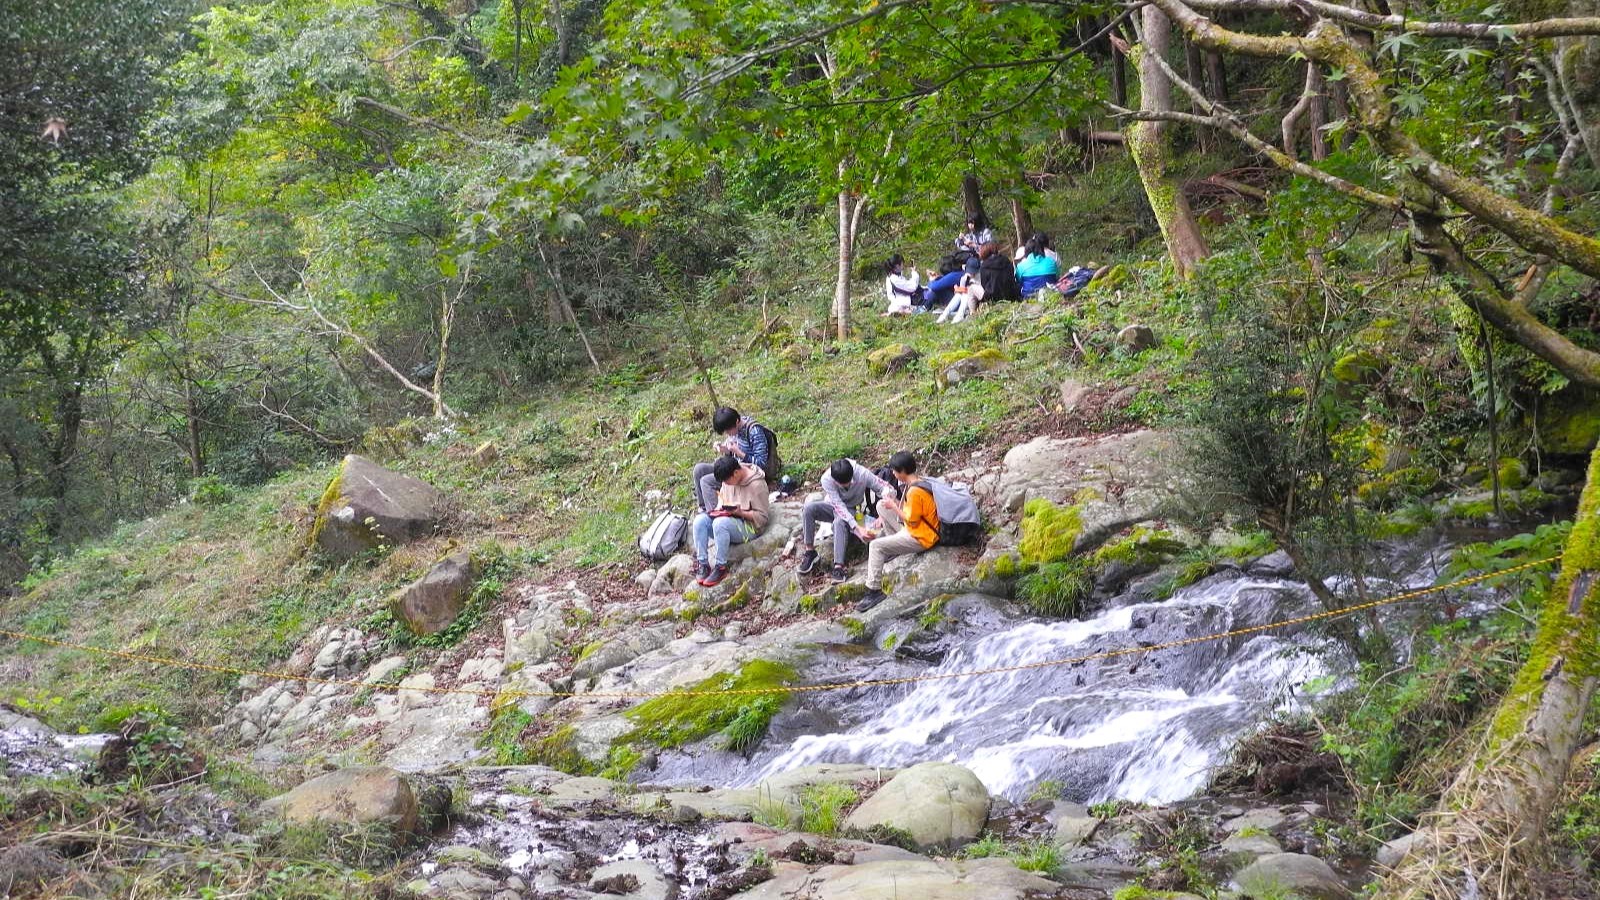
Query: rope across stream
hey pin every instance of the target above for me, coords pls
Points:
(353, 684)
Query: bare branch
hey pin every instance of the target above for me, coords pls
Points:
(1543, 28)
(345, 331)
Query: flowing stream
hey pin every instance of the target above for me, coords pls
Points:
(1142, 727)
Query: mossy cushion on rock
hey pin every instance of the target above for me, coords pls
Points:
(366, 505)
(963, 365)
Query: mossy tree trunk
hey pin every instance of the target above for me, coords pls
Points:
(1148, 144)
(1491, 819)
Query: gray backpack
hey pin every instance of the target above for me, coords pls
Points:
(663, 537)
(960, 522)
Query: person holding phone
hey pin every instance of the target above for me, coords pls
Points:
(739, 514)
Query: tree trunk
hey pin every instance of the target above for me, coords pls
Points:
(972, 200)
(553, 268)
(1578, 67)
(1147, 142)
(851, 209)
(1119, 79)
(1216, 77)
(1317, 115)
(1021, 222)
(197, 463)
(558, 24)
(447, 317)
(847, 256)
(1490, 821)
(1195, 65)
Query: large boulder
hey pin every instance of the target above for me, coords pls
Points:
(366, 505)
(359, 796)
(941, 805)
(922, 879)
(429, 604)
(1291, 874)
(1111, 481)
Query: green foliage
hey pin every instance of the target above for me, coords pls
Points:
(1057, 589)
(823, 807)
(1107, 809)
(678, 719)
(1039, 855)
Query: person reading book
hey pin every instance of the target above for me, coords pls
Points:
(739, 513)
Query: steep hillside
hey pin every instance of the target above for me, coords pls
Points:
(226, 576)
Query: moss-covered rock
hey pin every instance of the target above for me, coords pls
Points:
(962, 365)
(1049, 532)
(367, 506)
(1567, 423)
(890, 359)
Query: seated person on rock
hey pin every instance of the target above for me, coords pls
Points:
(844, 489)
(902, 289)
(743, 438)
(739, 514)
(1037, 270)
(911, 526)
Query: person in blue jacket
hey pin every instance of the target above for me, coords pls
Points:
(941, 290)
(743, 438)
(1037, 269)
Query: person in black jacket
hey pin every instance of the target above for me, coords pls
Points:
(997, 275)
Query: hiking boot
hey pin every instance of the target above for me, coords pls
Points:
(870, 599)
(714, 578)
(808, 562)
(696, 569)
(839, 574)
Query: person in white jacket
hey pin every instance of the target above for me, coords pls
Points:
(902, 289)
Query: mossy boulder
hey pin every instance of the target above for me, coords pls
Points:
(1567, 423)
(366, 506)
(963, 365)
(891, 359)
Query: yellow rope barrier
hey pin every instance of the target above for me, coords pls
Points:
(785, 689)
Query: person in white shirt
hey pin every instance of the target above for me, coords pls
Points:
(902, 289)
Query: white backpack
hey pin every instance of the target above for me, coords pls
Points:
(663, 538)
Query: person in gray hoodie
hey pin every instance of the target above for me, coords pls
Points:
(844, 490)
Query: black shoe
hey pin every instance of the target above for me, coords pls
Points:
(839, 574)
(696, 569)
(870, 599)
(718, 572)
(808, 562)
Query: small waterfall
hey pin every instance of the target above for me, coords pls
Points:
(1143, 728)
